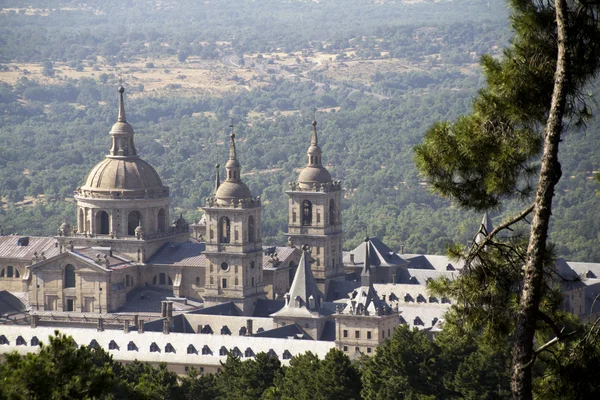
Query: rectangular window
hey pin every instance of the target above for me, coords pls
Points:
(382, 334)
(357, 334)
(186, 368)
(224, 283)
(294, 217)
(252, 281)
(197, 281)
(318, 250)
(70, 305)
(345, 348)
(369, 350)
(369, 335)
(318, 218)
(345, 333)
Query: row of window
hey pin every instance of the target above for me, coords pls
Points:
(369, 334)
(357, 349)
(9, 272)
(20, 341)
(154, 348)
(134, 219)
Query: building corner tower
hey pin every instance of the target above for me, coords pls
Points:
(315, 218)
(233, 241)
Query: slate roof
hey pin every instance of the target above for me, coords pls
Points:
(148, 300)
(328, 333)
(266, 307)
(10, 304)
(184, 254)
(365, 301)
(379, 255)
(220, 309)
(283, 255)
(288, 331)
(10, 249)
(303, 289)
(115, 261)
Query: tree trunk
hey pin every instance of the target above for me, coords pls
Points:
(550, 172)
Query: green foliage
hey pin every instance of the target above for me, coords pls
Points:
(308, 377)
(245, 380)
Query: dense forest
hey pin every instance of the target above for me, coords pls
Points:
(55, 128)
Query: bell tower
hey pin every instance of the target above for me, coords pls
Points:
(315, 218)
(233, 241)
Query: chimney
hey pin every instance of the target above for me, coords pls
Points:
(249, 327)
(126, 326)
(311, 302)
(135, 320)
(100, 327)
(163, 309)
(402, 249)
(140, 326)
(166, 326)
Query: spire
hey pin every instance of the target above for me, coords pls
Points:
(365, 275)
(314, 151)
(485, 228)
(303, 291)
(121, 117)
(122, 133)
(232, 166)
(217, 178)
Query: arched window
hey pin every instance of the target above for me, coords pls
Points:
(17, 275)
(332, 212)
(69, 276)
(35, 341)
(9, 271)
(249, 352)
(154, 348)
(133, 220)
(251, 230)
(102, 222)
(206, 350)
(224, 230)
(131, 347)
(161, 220)
(306, 213)
(191, 349)
(3, 340)
(113, 345)
(222, 351)
(169, 348)
(21, 341)
(162, 279)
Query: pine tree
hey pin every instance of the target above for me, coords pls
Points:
(490, 155)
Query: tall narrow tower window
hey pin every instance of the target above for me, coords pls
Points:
(332, 212)
(306, 213)
(224, 230)
(251, 229)
(133, 221)
(102, 223)
(69, 276)
(161, 220)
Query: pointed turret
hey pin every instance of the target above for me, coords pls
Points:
(366, 279)
(122, 134)
(314, 172)
(485, 228)
(232, 189)
(303, 293)
(217, 178)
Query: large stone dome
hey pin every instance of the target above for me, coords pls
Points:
(233, 190)
(129, 174)
(314, 174)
